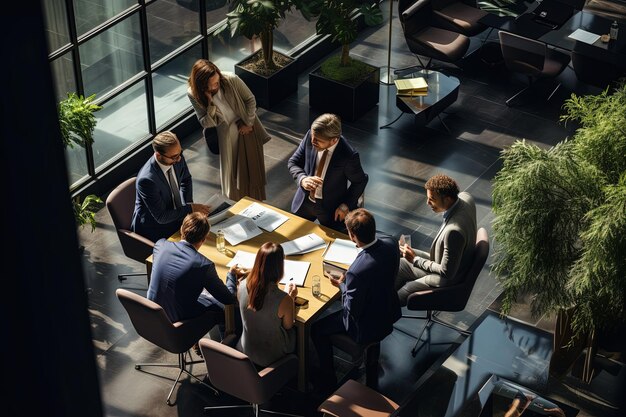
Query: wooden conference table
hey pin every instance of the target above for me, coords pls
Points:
(293, 228)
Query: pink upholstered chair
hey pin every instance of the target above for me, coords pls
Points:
(458, 16)
(353, 399)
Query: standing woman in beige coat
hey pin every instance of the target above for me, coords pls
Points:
(223, 101)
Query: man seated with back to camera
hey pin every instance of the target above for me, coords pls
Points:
(160, 207)
(370, 303)
(452, 250)
(180, 274)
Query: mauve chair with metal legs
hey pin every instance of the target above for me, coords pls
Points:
(425, 39)
(458, 16)
(531, 58)
(151, 323)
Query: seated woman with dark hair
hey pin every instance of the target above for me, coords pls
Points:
(267, 312)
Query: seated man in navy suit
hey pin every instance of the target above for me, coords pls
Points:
(328, 173)
(180, 274)
(164, 191)
(370, 302)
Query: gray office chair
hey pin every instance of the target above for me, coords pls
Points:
(121, 204)
(355, 399)
(367, 355)
(423, 38)
(151, 323)
(458, 16)
(450, 298)
(234, 373)
(531, 58)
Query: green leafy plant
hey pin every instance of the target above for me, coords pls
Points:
(77, 119)
(85, 211)
(78, 122)
(259, 18)
(560, 218)
(336, 18)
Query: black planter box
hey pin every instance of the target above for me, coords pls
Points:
(269, 90)
(348, 102)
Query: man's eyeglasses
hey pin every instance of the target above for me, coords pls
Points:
(173, 157)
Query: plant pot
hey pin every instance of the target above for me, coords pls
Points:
(348, 102)
(273, 88)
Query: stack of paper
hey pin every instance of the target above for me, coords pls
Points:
(342, 251)
(295, 271)
(264, 217)
(304, 244)
(412, 86)
(219, 208)
(237, 229)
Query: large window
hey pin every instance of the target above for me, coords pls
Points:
(135, 56)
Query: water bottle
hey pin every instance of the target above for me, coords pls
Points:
(614, 30)
(220, 242)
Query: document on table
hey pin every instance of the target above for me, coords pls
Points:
(219, 208)
(584, 36)
(264, 217)
(237, 229)
(304, 244)
(342, 251)
(295, 271)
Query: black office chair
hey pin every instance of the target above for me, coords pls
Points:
(532, 58)
(121, 204)
(593, 71)
(453, 297)
(425, 39)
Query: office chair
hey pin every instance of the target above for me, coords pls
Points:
(234, 373)
(532, 58)
(151, 323)
(121, 204)
(423, 38)
(355, 399)
(366, 354)
(453, 297)
(458, 16)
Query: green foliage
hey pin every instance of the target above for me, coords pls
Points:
(259, 18)
(85, 211)
(77, 120)
(351, 74)
(335, 18)
(560, 217)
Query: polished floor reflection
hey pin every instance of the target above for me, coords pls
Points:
(398, 160)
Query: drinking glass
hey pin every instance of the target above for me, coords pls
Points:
(316, 286)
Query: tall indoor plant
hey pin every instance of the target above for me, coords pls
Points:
(77, 121)
(560, 224)
(271, 76)
(354, 82)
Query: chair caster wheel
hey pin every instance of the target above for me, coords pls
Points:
(168, 402)
(137, 367)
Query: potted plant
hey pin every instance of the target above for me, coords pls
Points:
(560, 227)
(354, 83)
(270, 75)
(77, 121)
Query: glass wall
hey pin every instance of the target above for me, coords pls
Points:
(135, 56)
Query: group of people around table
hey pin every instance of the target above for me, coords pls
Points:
(330, 182)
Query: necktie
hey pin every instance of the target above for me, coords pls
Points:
(174, 188)
(318, 172)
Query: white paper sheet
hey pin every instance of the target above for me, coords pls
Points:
(295, 271)
(304, 244)
(264, 217)
(237, 229)
(584, 36)
(342, 251)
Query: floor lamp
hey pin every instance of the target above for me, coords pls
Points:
(386, 75)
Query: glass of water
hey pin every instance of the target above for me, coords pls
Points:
(316, 285)
(220, 241)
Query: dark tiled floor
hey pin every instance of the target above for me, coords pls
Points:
(399, 160)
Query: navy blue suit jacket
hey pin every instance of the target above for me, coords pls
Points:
(370, 303)
(344, 166)
(179, 273)
(155, 216)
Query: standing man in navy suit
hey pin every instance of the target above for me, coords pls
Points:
(164, 190)
(370, 302)
(328, 173)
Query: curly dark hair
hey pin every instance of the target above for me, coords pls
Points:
(443, 186)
